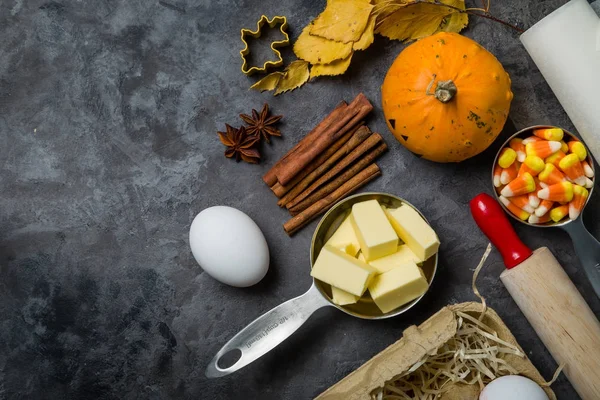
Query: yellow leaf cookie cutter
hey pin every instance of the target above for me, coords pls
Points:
(278, 20)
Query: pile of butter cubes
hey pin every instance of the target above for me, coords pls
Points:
(379, 250)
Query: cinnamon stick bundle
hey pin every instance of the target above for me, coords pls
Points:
(359, 180)
(351, 115)
(334, 159)
(358, 152)
(357, 138)
(339, 180)
(270, 177)
(280, 190)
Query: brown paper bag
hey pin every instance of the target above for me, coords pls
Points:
(414, 345)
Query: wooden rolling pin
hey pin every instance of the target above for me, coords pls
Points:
(548, 298)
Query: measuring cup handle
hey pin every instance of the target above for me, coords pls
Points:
(587, 248)
(267, 331)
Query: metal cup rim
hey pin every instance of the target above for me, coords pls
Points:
(522, 132)
(323, 227)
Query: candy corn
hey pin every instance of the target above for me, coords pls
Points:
(544, 207)
(551, 175)
(580, 195)
(555, 134)
(573, 169)
(507, 157)
(522, 202)
(545, 177)
(531, 139)
(576, 147)
(587, 169)
(555, 158)
(520, 185)
(564, 147)
(560, 192)
(558, 213)
(533, 164)
(542, 148)
(521, 214)
(534, 219)
(509, 174)
(497, 174)
(517, 145)
(534, 201)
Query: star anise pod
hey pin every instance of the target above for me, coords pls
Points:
(262, 124)
(240, 144)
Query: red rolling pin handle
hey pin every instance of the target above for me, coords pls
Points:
(492, 221)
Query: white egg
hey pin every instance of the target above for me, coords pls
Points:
(229, 246)
(513, 387)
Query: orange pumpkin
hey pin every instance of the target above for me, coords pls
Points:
(446, 98)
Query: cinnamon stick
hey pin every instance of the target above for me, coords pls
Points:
(355, 111)
(270, 178)
(339, 180)
(357, 138)
(363, 148)
(359, 180)
(281, 190)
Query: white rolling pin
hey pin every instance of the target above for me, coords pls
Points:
(550, 301)
(565, 46)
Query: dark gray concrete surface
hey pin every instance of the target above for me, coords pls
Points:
(108, 149)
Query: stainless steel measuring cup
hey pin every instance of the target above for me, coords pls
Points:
(273, 327)
(586, 245)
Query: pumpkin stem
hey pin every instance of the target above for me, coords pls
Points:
(445, 91)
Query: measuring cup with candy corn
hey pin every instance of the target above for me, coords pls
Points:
(544, 176)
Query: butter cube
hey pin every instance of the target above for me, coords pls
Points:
(374, 232)
(342, 298)
(345, 239)
(414, 231)
(342, 271)
(398, 286)
(403, 255)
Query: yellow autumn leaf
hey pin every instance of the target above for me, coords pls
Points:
(336, 67)
(269, 82)
(342, 20)
(318, 50)
(456, 21)
(382, 8)
(413, 21)
(367, 37)
(296, 75)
